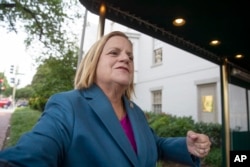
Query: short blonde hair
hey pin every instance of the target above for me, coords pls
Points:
(86, 72)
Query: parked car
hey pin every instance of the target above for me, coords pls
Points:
(5, 103)
(22, 104)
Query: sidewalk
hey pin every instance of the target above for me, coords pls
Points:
(5, 115)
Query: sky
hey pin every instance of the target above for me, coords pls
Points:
(13, 52)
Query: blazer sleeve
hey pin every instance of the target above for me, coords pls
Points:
(4, 163)
(175, 149)
(47, 142)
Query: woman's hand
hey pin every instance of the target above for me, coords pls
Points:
(198, 144)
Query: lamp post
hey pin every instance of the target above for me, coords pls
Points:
(82, 38)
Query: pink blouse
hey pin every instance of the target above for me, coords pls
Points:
(129, 131)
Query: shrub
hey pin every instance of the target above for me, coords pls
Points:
(166, 125)
(37, 103)
(214, 158)
(213, 130)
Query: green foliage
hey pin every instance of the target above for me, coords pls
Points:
(213, 130)
(22, 120)
(8, 91)
(53, 76)
(214, 158)
(37, 103)
(25, 93)
(166, 125)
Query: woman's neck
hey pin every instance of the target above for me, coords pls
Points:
(119, 109)
(114, 94)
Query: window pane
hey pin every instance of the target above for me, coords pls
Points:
(157, 105)
(157, 56)
(238, 108)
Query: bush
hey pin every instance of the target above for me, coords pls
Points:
(166, 125)
(213, 130)
(214, 158)
(38, 103)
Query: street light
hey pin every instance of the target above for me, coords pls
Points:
(12, 80)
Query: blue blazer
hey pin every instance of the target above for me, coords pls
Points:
(79, 128)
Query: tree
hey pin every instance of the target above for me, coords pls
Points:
(53, 76)
(43, 20)
(24, 93)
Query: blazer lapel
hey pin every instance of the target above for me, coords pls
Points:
(104, 110)
(141, 133)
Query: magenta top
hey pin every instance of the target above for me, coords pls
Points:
(128, 130)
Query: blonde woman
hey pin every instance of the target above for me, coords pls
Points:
(97, 124)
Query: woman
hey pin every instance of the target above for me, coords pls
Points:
(97, 124)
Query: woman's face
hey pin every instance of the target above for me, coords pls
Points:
(115, 66)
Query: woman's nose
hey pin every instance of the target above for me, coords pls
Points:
(125, 57)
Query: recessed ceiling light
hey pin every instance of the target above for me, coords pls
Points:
(239, 56)
(214, 43)
(179, 22)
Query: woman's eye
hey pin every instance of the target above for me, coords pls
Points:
(113, 52)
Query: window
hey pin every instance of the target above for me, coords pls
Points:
(207, 107)
(157, 98)
(158, 56)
